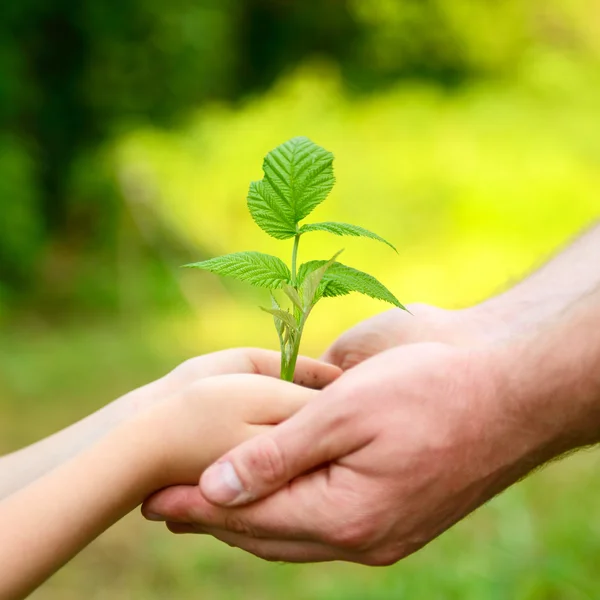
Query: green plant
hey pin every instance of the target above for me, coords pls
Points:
(298, 176)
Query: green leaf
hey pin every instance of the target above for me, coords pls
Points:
(284, 316)
(269, 213)
(286, 329)
(279, 326)
(312, 281)
(344, 229)
(340, 280)
(258, 269)
(300, 175)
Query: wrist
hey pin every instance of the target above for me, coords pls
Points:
(139, 443)
(517, 311)
(550, 388)
(501, 431)
(136, 402)
(505, 317)
(158, 439)
(126, 409)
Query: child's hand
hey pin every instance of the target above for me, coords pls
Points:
(211, 403)
(194, 427)
(170, 439)
(309, 373)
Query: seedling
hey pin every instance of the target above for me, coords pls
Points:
(298, 176)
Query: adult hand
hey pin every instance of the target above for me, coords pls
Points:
(424, 323)
(411, 441)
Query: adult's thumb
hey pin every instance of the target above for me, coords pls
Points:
(317, 434)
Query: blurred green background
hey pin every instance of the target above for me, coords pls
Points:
(467, 133)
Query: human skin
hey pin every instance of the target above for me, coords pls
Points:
(414, 437)
(568, 276)
(24, 466)
(170, 442)
(461, 424)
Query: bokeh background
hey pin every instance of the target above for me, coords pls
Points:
(467, 133)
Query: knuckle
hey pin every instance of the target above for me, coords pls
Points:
(182, 506)
(346, 353)
(195, 368)
(261, 550)
(357, 534)
(255, 547)
(228, 540)
(390, 553)
(246, 359)
(337, 350)
(242, 355)
(265, 553)
(386, 557)
(234, 524)
(266, 463)
(190, 391)
(251, 354)
(184, 371)
(173, 510)
(352, 358)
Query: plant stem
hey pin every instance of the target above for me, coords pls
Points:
(289, 366)
(294, 257)
(283, 369)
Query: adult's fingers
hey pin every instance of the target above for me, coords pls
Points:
(372, 336)
(298, 512)
(267, 549)
(358, 344)
(317, 434)
(337, 353)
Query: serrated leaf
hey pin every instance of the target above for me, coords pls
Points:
(344, 229)
(312, 281)
(269, 213)
(305, 268)
(340, 280)
(284, 316)
(299, 173)
(258, 269)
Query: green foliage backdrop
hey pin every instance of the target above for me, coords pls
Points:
(76, 76)
(466, 133)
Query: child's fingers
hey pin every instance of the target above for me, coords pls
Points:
(309, 372)
(267, 399)
(261, 400)
(279, 401)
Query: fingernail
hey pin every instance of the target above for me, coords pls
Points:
(221, 485)
(154, 517)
